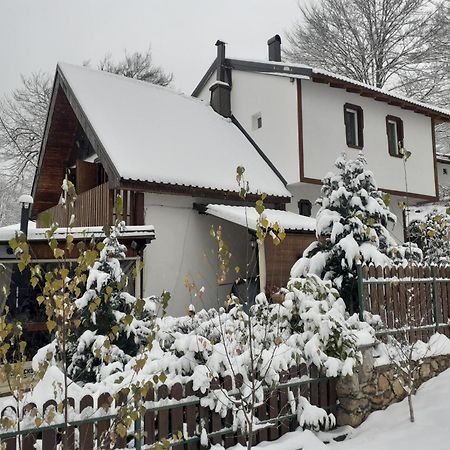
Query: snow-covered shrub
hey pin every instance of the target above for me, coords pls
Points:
(112, 324)
(318, 314)
(309, 326)
(351, 228)
(432, 235)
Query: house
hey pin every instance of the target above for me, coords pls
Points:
(173, 161)
(304, 117)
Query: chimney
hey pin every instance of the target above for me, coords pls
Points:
(221, 90)
(274, 44)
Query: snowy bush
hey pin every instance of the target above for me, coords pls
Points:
(351, 228)
(112, 324)
(432, 234)
(205, 347)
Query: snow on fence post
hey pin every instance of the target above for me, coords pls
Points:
(360, 290)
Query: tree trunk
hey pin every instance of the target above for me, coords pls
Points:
(411, 410)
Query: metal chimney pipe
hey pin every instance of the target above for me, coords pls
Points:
(221, 89)
(220, 60)
(26, 201)
(274, 44)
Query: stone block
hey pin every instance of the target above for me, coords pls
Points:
(355, 405)
(369, 389)
(383, 383)
(398, 389)
(425, 370)
(347, 385)
(378, 402)
(344, 418)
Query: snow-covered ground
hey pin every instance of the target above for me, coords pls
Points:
(389, 429)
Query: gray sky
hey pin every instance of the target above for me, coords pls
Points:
(35, 34)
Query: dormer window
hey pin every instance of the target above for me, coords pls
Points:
(354, 125)
(394, 131)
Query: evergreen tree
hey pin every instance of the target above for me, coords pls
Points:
(112, 323)
(351, 227)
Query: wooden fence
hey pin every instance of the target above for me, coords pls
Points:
(413, 296)
(178, 409)
(97, 207)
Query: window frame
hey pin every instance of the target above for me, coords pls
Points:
(400, 132)
(359, 128)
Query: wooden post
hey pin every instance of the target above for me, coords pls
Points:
(434, 297)
(360, 291)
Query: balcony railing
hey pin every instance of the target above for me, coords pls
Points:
(97, 207)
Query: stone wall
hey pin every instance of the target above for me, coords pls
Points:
(372, 388)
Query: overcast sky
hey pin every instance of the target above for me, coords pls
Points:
(35, 34)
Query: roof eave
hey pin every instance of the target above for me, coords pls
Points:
(195, 191)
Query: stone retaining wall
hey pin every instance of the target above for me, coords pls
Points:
(372, 388)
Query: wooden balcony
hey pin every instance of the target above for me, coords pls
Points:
(96, 207)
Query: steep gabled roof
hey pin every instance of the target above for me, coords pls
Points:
(322, 76)
(150, 134)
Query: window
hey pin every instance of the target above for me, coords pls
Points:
(304, 207)
(354, 125)
(257, 121)
(444, 171)
(394, 131)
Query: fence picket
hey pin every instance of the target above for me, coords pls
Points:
(149, 420)
(28, 440)
(372, 297)
(229, 439)
(49, 436)
(444, 295)
(103, 426)
(176, 414)
(87, 429)
(121, 400)
(284, 404)
(447, 303)
(70, 431)
(163, 415)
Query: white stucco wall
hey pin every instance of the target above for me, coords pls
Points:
(324, 138)
(275, 99)
(183, 246)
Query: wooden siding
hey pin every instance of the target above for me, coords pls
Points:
(281, 258)
(96, 207)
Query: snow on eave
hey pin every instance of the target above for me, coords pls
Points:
(444, 113)
(39, 234)
(247, 216)
(284, 66)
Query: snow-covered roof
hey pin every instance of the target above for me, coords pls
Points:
(247, 216)
(419, 213)
(39, 234)
(303, 71)
(154, 134)
(440, 111)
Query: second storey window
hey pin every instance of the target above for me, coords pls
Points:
(394, 131)
(354, 125)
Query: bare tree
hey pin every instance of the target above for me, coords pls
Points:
(137, 65)
(22, 120)
(23, 114)
(380, 42)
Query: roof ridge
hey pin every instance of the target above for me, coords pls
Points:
(173, 91)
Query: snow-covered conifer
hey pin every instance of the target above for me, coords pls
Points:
(112, 325)
(351, 227)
